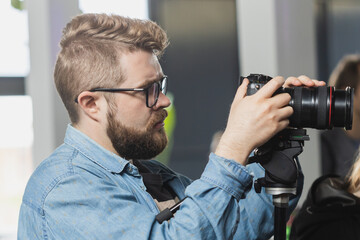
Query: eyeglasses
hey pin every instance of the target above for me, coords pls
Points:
(152, 92)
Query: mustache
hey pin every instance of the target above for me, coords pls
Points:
(158, 117)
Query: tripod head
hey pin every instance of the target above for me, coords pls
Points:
(277, 157)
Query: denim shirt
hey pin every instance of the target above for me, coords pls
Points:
(83, 191)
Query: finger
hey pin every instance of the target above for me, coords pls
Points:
(283, 124)
(284, 113)
(319, 83)
(292, 82)
(306, 81)
(241, 91)
(269, 88)
(311, 82)
(280, 100)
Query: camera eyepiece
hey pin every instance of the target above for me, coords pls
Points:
(319, 107)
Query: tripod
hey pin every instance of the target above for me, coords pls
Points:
(277, 157)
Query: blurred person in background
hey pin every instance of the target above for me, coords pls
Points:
(338, 146)
(331, 210)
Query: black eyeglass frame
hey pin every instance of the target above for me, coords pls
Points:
(160, 86)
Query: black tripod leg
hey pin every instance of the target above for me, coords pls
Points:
(280, 223)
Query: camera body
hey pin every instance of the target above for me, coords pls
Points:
(318, 107)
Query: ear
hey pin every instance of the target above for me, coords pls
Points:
(90, 104)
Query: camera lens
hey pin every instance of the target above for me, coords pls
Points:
(321, 107)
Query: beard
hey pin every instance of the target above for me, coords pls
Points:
(131, 143)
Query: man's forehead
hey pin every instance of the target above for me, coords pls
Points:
(141, 80)
(141, 65)
(152, 78)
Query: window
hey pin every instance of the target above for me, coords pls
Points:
(133, 8)
(16, 131)
(14, 49)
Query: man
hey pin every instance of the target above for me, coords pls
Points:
(97, 185)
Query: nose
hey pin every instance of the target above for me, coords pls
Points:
(162, 102)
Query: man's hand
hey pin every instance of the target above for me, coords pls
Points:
(303, 81)
(254, 119)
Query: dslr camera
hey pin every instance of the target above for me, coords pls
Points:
(318, 107)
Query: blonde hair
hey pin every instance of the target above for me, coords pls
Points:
(353, 177)
(346, 73)
(91, 48)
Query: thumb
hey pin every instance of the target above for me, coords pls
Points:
(241, 91)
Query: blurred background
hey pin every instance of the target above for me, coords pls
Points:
(213, 42)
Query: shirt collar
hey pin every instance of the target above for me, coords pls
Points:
(155, 167)
(93, 151)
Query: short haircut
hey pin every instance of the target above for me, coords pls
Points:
(90, 52)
